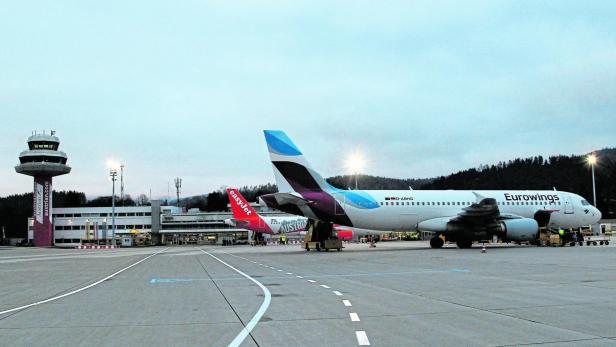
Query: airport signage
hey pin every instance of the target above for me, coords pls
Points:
(38, 202)
(46, 199)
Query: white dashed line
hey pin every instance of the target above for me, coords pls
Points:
(362, 338)
(299, 276)
(337, 293)
(347, 303)
(311, 281)
(279, 270)
(289, 273)
(324, 286)
(354, 317)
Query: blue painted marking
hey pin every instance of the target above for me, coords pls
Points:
(357, 198)
(353, 274)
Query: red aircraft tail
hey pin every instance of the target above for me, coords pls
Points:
(240, 207)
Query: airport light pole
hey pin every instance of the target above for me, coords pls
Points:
(113, 173)
(122, 184)
(592, 160)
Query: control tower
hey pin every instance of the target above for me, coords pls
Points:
(42, 160)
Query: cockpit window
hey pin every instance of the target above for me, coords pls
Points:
(585, 203)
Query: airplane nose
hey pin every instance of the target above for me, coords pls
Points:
(598, 214)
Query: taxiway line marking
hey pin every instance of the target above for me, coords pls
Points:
(347, 303)
(354, 317)
(82, 288)
(298, 276)
(311, 281)
(255, 319)
(362, 338)
(337, 293)
(326, 287)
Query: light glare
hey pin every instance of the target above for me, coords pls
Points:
(592, 159)
(112, 164)
(355, 162)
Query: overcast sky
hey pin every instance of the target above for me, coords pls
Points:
(185, 88)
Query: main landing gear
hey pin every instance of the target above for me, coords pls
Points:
(436, 242)
(464, 243)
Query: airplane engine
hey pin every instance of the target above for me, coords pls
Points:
(523, 229)
(440, 225)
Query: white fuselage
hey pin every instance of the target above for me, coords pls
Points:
(284, 225)
(404, 209)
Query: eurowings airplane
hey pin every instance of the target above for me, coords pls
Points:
(462, 216)
(244, 216)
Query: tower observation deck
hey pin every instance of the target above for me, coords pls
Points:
(42, 161)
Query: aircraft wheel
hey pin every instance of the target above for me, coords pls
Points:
(436, 242)
(464, 243)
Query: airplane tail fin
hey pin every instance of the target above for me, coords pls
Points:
(292, 171)
(240, 208)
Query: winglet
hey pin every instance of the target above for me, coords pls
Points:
(479, 197)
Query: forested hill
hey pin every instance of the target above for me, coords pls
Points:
(16, 209)
(376, 182)
(566, 173)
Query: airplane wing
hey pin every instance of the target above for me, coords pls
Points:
(483, 215)
(289, 198)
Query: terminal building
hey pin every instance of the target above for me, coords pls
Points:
(144, 225)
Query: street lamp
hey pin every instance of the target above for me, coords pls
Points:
(355, 163)
(113, 173)
(592, 160)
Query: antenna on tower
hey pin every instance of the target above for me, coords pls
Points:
(178, 187)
